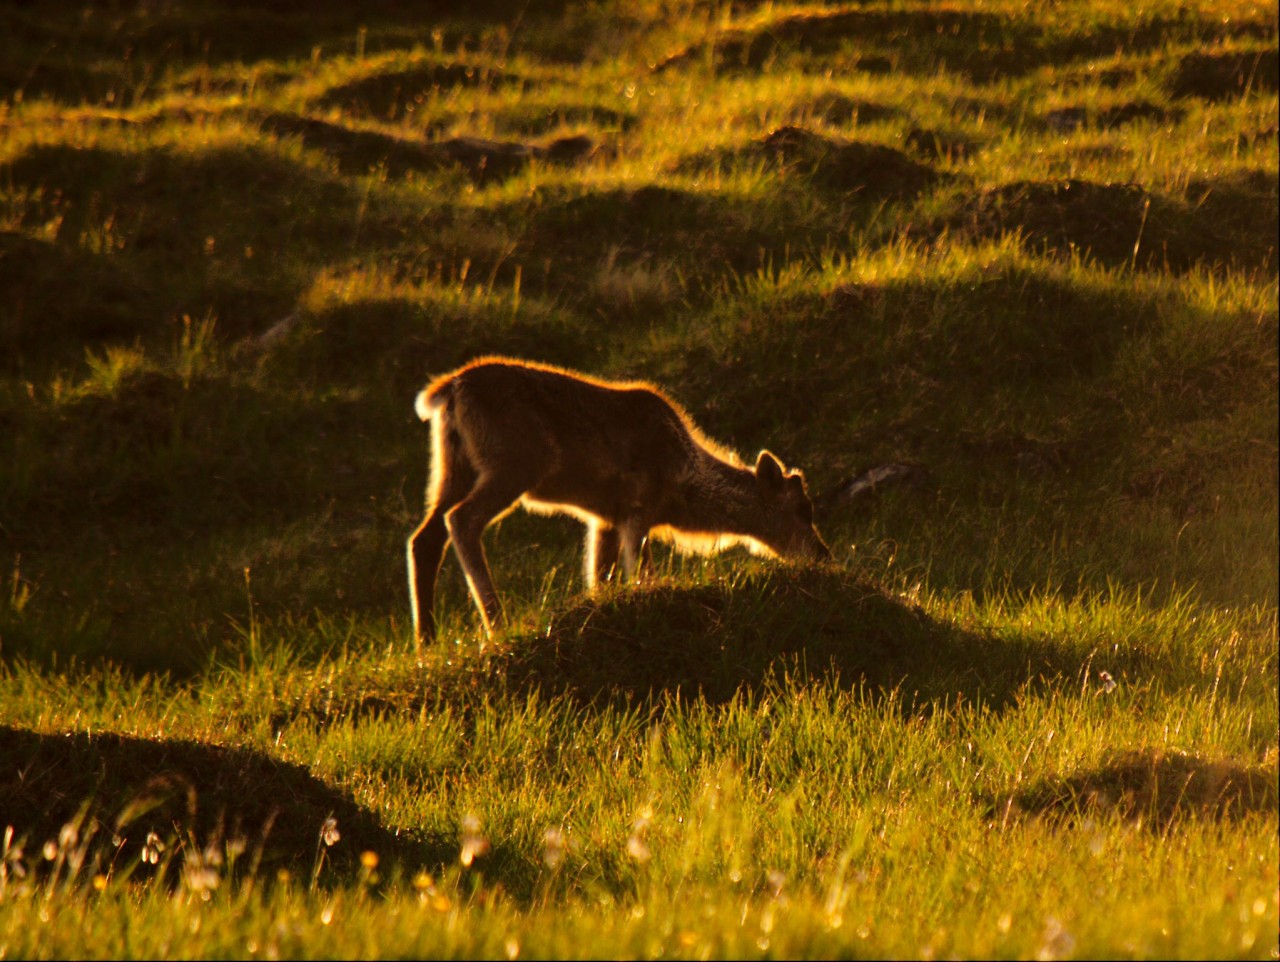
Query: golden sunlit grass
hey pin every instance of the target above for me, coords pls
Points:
(1027, 250)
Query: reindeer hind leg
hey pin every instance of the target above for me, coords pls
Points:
(466, 522)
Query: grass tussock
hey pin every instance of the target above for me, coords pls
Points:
(1017, 262)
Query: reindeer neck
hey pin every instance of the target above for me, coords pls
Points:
(719, 497)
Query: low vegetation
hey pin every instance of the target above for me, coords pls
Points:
(1026, 254)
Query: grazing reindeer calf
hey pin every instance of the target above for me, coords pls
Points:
(619, 456)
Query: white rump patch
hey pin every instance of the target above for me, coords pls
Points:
(423, 406)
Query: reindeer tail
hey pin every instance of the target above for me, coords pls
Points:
(433, 397)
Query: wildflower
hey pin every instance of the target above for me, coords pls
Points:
(212, 855)
(553, 845)
(329, 833)
(638, 848)
(1055, 942)
(369, 860)
(1108, 683)
(200, 879)
(99, 883)
(474, 844)
(11, 858)
(425, 886)
(776, 881)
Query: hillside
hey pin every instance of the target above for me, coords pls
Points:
(1022, 257)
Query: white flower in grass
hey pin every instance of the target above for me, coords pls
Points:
(474, 843)
(329, 833)
(553, 846)
(637, 845)
(1055, 942)
(776, 881)
(200, 879)
(638, 848)
(1108, 683)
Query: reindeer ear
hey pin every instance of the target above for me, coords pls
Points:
(769, 471)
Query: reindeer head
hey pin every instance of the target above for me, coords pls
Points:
(787, 512)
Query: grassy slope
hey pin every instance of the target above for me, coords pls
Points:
(1034, 254)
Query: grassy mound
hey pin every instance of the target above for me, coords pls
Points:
(1018, 263)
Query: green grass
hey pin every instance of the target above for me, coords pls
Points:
(1029, 710)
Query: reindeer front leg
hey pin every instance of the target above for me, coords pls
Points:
(634, 551)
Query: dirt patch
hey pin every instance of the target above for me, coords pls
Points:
(872, 170)
(1120, 224)
(1156, 788)
(1219, 76)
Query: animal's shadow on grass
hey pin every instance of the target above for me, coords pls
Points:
(720, 641)
(102, 800)
(1153, 788)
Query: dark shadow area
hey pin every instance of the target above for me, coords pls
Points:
(60, 300)
(137, 514)
(118, 52)
(1220, 76)
(873, 170)
(536, 119)
(981, 46)
(1067, 119)
(567, 240)
(1232, 224)
(1154, 788)
(484, 161)
(196, 799)
(235, 232)
(391, 95)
